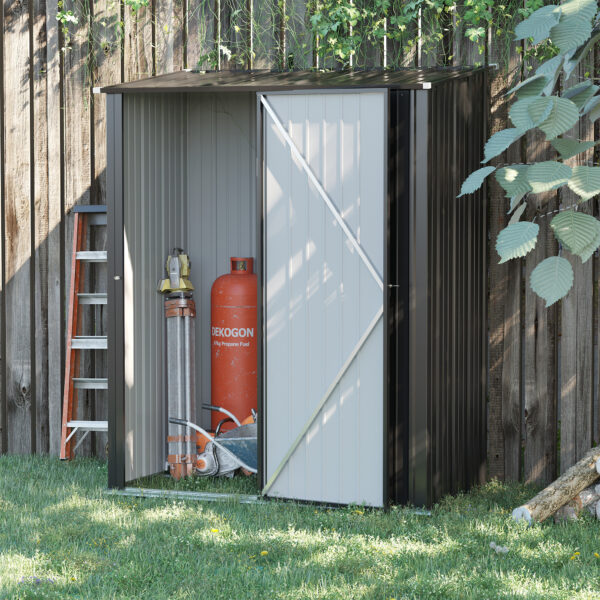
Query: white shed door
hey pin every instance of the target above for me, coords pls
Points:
(324, 161)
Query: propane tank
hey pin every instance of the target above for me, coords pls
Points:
(234, 342)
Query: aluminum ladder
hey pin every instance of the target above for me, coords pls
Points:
(85, 217)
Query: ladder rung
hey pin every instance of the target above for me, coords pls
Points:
(88, 425)
(88, 383)
(89, 208)
(98, 219)
(86, 298)
(89, 342)
(97, 256)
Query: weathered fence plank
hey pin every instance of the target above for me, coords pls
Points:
(56, 348)
(169, 19)
(576, 348)
(265, 33)
(108, 71)
(17, 216)
(77, 120)
(504, 307)
(39, 156)
(511, 368)
(539, 367)
(200, 40)
(139, 54)
(539, 344)
(3, 390)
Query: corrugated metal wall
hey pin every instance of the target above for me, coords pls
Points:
(189, 182)
(456, 266)
(222, 204)
(155, 211)
(320, 297)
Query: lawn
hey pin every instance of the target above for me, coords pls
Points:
(62, 537)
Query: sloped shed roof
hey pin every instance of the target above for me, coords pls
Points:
(270, 81)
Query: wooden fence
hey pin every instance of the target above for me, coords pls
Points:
(543, 364)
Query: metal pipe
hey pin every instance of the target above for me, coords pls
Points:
(180, 312)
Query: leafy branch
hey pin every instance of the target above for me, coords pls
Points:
(568, 27)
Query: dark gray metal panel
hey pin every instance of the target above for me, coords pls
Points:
(419, 409)
(115, 333)
(270, 81)
(397, 294)
(455, 292)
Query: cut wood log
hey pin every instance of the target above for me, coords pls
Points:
(566, 513)
(587, 498)
(557, 494)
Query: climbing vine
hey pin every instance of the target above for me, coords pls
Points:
(323, 33)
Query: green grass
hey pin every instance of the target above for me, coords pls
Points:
(57, 523)
(220, 485)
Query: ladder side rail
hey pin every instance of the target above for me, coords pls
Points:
(72, 362)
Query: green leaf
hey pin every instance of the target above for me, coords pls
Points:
(474, 181)
(575, 26)
(563, 115)
(547, 175)
(592, 108)
(513, 180)
(586, 9)
(572, 61)
(521, 115)
(530, 87)
(568, 147)
(585, 182)
(552, 279)
(551, 70)
(579, 94)
(571, 33)
(575, 230)
(538, 24)
(516, 240)
(499, 142)
(587, 252)
(517, 214)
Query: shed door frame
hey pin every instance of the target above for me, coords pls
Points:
(261, 235)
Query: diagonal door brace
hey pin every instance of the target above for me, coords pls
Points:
(330, 205)
(324, 399)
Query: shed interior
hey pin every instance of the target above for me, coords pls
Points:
(189, 181)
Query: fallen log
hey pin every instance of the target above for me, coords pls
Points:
(587, 498)
(559, 492)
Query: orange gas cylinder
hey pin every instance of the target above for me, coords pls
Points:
(234, 342)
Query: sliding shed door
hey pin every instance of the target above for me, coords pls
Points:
(324, 161)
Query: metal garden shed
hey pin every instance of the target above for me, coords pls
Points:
(372, 275)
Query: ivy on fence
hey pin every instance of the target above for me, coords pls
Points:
(330, 34)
